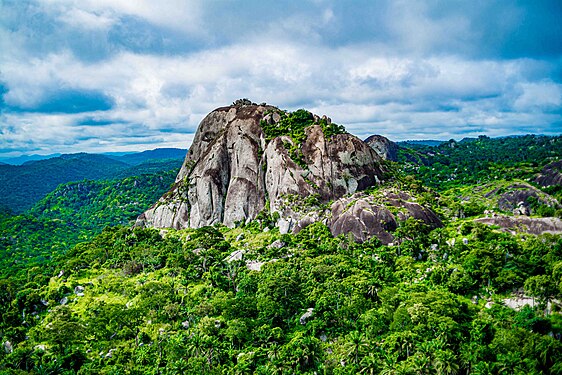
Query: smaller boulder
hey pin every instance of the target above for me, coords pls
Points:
(8, 347)
(307, 315)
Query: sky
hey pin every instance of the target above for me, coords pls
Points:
(131, 75)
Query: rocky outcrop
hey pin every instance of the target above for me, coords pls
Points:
(233, 168)
(550, 175)
(517, 198)
(525, 224)
(384, 147)
(364, 216)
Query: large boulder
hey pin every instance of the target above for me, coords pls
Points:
(524, 224)
(384, 147)
(517, 198)
(551, 175)
(365, 216)
(234, 168)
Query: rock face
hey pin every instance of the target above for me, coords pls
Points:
(516, 198)
(365, 216)
(525, 224)
(232, 169)
(384, 147)
(550, 175)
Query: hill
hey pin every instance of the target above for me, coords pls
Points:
(75, 212)
(144, 156)
(25, 158)
(23, 185)
(479, 160)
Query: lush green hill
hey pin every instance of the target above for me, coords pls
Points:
(249, 300)
(479, 160)
(218, 300)
(150, 167)
(159, 153)
(22, 186)
(75, 212)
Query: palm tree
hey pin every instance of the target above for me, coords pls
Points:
(356, 341)
(369, 364)
(445, 363)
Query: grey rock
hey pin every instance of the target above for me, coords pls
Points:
(307, 315)
(79, 289)
(551, 175)
(277, 244)
(235, 256)
(515, 198)
(384, 147)
(254, 265)
(524, 224)
(362, 217)
(8, 347)
(64, 301)
(230, 169)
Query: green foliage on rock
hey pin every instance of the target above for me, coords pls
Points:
(293, 125)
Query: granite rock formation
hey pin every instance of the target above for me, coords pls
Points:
(384, 147)
(233, 171)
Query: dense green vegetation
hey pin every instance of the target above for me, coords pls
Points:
(23, 185)
(249, 300)
(72, 213)
(132, 301)
(480, 160)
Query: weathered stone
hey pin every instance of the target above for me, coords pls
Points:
(551, 175)
(230, 169)
(235, 256)
(8, 347)
(525, 224)
(277, 244)
(363, 218)
(307, 315)
(384, 147)
(516, 198)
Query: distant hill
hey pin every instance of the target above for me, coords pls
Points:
(23, 185)
(25, 158)
(149, 167)
(476, 160)
(426, 142)
(159, 153)
(75, 212)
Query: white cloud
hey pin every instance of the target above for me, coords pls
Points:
(413, 85)
(184, 15)
(537, 96)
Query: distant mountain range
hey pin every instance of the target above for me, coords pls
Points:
(423, 142)
(132, 158)
(23, 185)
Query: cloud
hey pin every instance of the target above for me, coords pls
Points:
(70, 101)
(114, 74)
